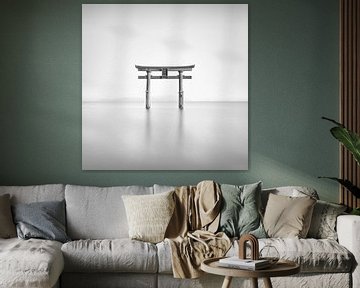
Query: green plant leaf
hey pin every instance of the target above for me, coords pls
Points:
(348, 138)
(347, 184)
(333, 121)
(355, 211)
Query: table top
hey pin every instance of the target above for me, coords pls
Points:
(281, 268)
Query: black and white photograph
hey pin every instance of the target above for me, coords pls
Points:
(164, 87)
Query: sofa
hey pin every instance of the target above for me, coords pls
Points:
(99, 252)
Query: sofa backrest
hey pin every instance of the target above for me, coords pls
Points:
(162, 188)
(36, 193)
(98, 212)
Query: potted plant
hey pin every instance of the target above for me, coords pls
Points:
(351, 141)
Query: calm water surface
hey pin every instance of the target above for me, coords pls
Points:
(202, 136)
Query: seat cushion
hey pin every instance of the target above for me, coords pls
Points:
(164, 257)
(313, 255)
(117, 255)
(30, 263)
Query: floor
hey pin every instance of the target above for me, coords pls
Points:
(202, 136)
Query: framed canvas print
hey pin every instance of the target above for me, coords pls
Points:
(164, 86)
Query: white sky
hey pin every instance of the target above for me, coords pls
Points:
(214, 37)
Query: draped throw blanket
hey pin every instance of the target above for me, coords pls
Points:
(191, 231)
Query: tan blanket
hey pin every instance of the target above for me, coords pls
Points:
(192, 227)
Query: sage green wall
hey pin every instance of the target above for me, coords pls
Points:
(293, 81)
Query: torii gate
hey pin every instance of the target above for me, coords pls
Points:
(164, 75)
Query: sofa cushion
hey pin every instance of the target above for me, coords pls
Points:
(149, 215)
(323, 222)
(287, 216)
(36, 193)
(291, 191)
(43, 220)
(164, 257)
(30, 263)
(240, 210)
(98, 212)
(117, 255)
(7, 226)
(313, 255)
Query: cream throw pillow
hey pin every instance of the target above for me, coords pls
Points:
(288, 217)
(149, 215)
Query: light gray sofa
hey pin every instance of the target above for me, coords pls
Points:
(101, 254)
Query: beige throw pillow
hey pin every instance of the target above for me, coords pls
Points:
(7, 226)
(288, 217)
(149, 215)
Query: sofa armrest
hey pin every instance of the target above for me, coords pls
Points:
(348, 230)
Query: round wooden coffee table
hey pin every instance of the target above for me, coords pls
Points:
(281, 268)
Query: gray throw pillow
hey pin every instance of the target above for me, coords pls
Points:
(323, 222)
(44, 220)
(7, 226)
(240, 213)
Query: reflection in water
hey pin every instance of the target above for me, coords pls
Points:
(202, 136)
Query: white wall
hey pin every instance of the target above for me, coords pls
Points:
(115, 37)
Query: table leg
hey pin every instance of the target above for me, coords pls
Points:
(267, 283)
(181, 92)
(227, 282)
(254, 282)
(148, 89)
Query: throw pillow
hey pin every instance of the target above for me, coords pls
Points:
(240, 213)
(293, 191)
(149, 215)
(323, 222)
(7, 226)
(288, 217)
(44, 220)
